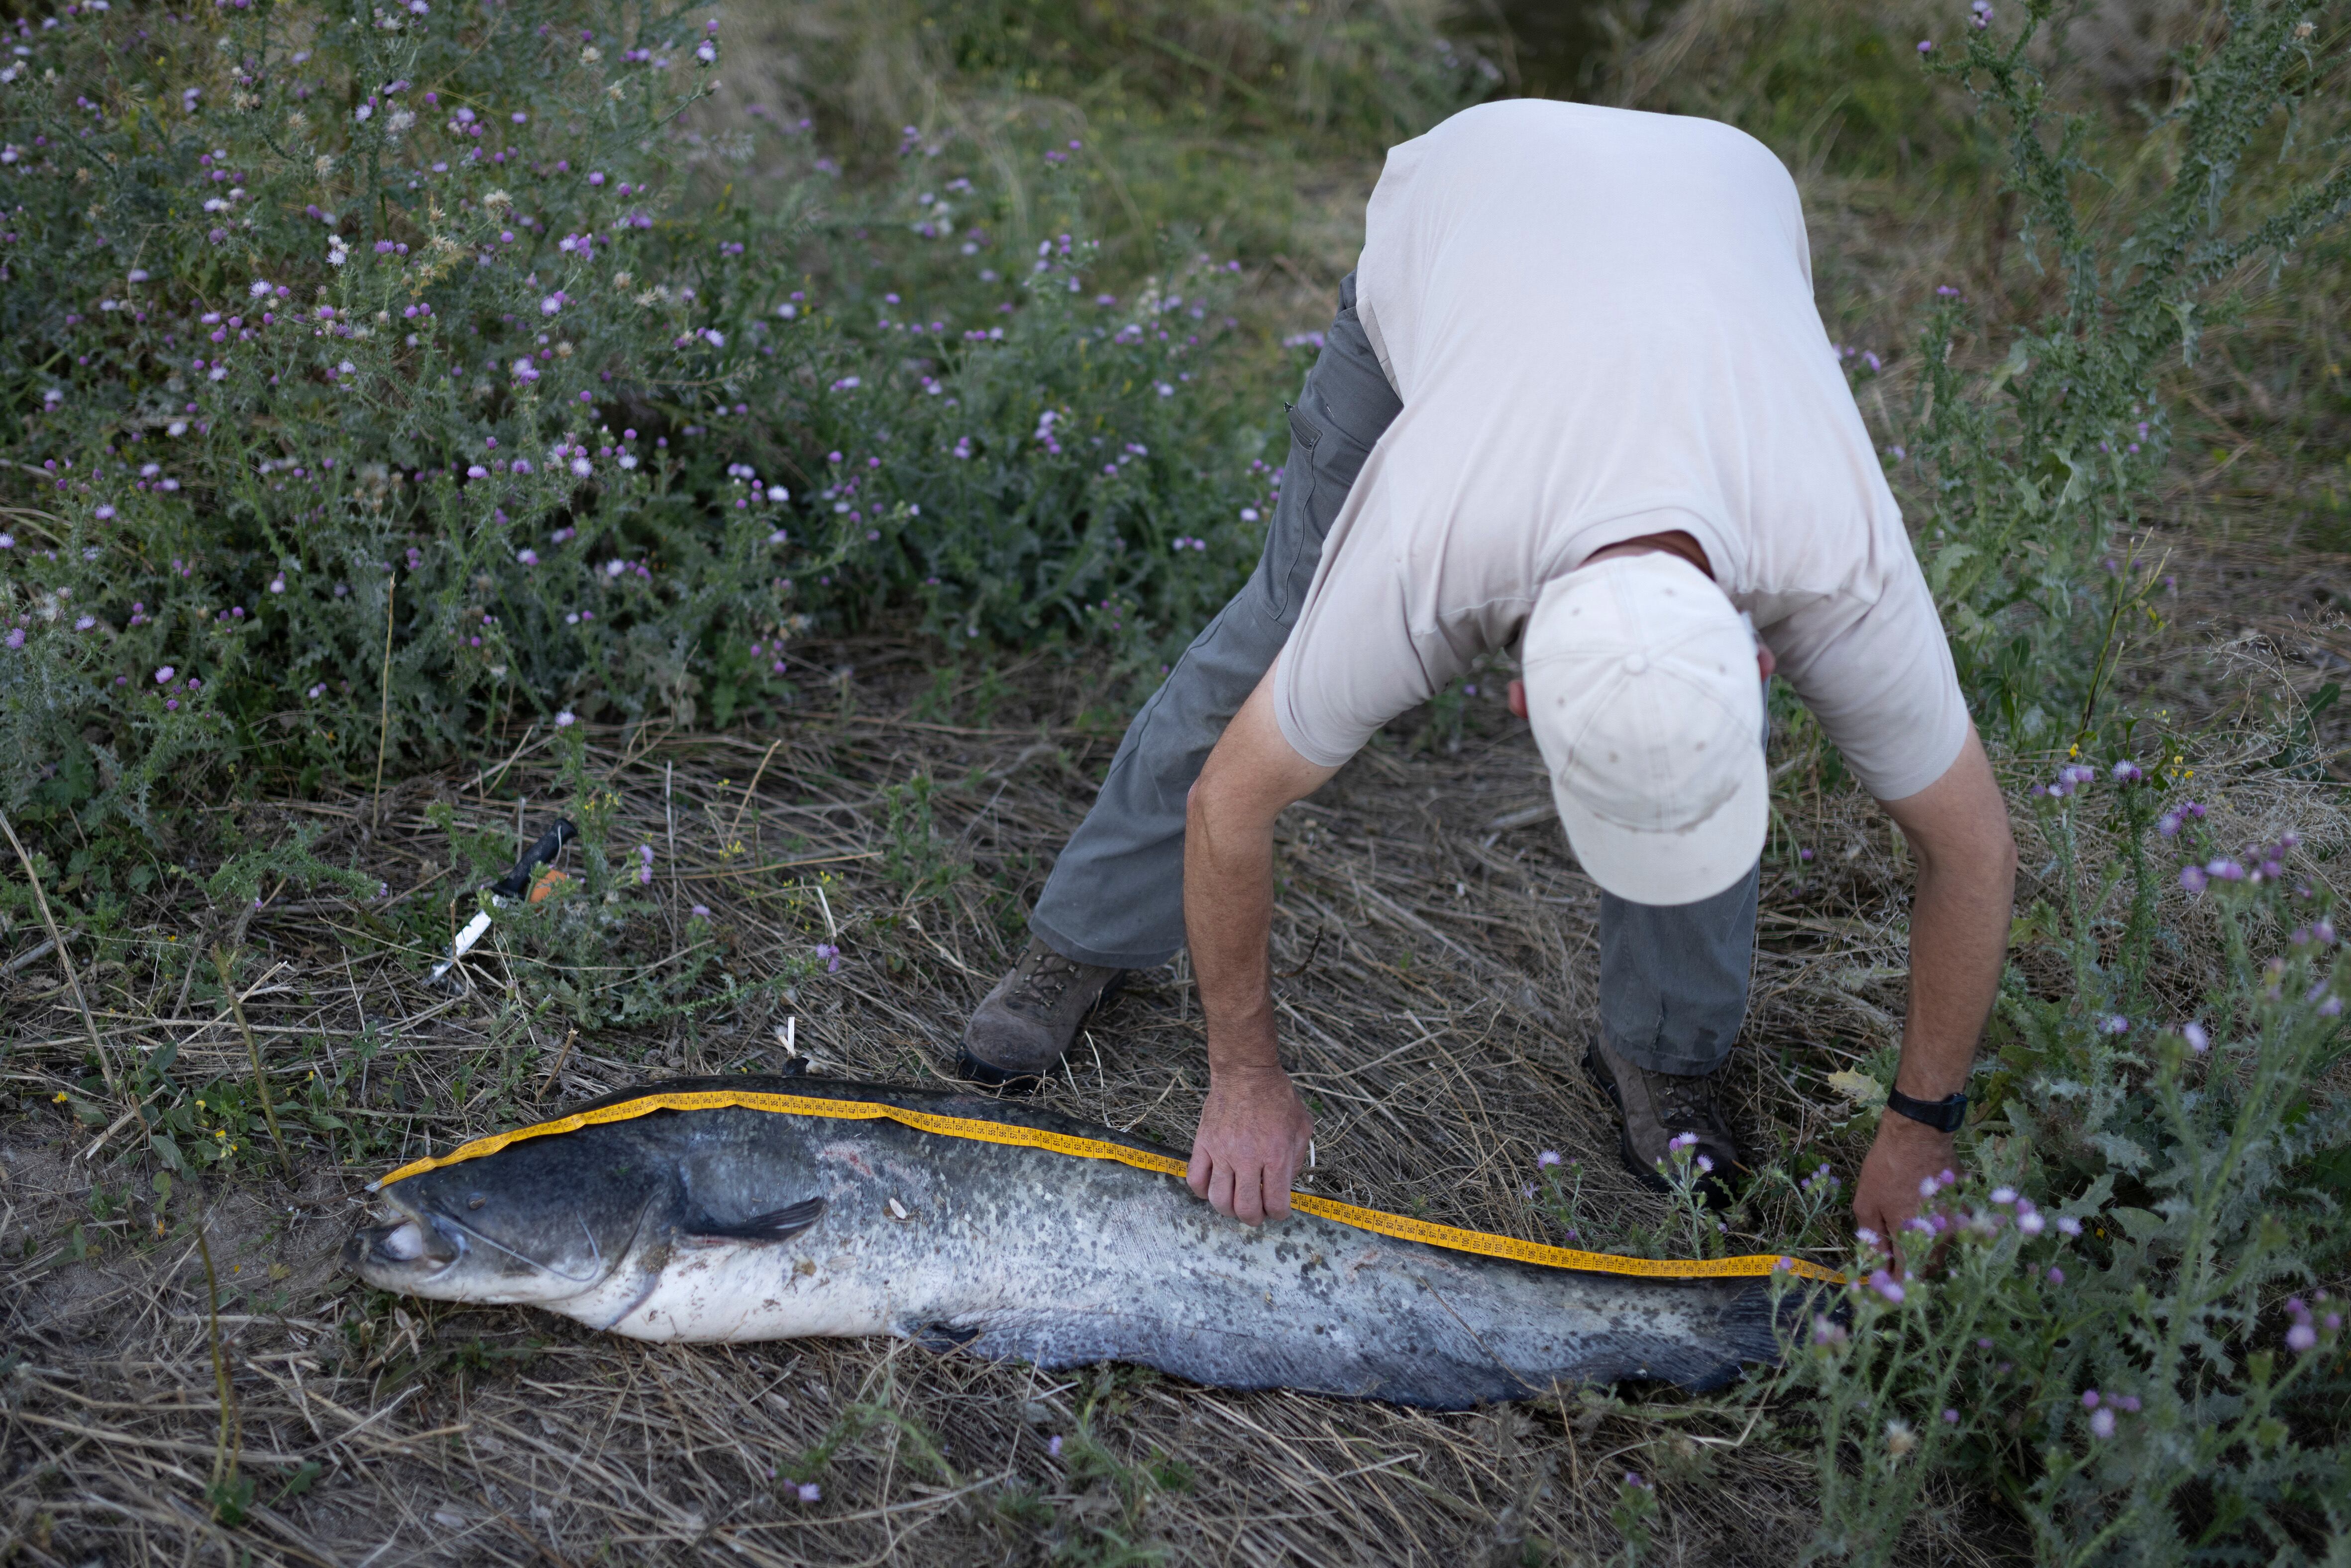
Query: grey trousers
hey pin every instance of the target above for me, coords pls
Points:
(1673, 979)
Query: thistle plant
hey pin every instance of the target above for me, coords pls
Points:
(2144, 1361)
(2036, 476)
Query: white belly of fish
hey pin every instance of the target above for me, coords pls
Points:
(723, 1292)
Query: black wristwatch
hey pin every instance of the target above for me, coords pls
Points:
(1948, 1114)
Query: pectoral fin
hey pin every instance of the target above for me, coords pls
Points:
(781, 1225)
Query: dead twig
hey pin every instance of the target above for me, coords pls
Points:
(231, 1441)
(555, 1073)
(253, 1051)
(65, 959)
(384, 722)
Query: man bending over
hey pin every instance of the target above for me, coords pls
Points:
(1577, 401)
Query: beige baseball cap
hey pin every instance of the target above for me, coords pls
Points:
(1644, 695)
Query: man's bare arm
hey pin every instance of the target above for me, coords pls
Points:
(1958, 833)
(1253, 1130)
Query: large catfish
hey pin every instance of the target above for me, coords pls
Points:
(741, 1224)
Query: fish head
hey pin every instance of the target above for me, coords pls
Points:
(527, 1225)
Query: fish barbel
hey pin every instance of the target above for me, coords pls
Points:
(735, 1224)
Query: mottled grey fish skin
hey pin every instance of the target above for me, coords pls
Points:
(737, 1225)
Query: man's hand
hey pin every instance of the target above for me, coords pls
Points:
(1253, 1136)
(1906, 1155)
(1253, 1130)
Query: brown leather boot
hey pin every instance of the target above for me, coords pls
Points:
(1657, 1108)
(1020, 1028)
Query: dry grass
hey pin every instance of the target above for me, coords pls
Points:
(1443, 987)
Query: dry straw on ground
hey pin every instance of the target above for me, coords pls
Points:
(1438, 950)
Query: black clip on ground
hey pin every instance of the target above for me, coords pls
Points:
(516, 882)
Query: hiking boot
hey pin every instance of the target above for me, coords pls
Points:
(1654, 1108)
(1020, 1028)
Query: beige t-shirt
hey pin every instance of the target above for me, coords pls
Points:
(1601, 325)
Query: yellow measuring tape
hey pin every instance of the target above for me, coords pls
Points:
(1372, 1219)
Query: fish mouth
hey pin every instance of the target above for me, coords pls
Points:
(418, 1249)
(402, 1250)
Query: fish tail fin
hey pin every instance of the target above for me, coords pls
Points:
(1767, 1315)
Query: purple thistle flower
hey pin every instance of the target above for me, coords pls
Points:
(809, 1492)
(2102, 1424)
(1548, 1158)
(2191, 877)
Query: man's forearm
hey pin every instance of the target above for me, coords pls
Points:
(1227, 917)
(1958, 828)
(1959, 938)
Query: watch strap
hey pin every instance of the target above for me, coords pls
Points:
(1948, 1114)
